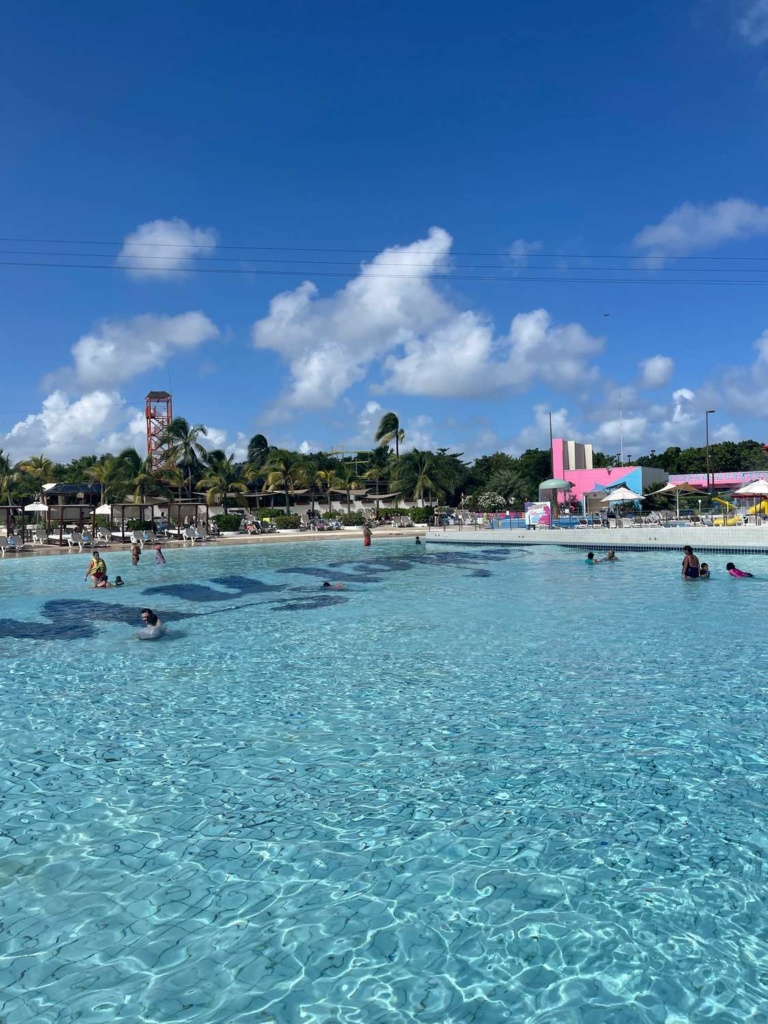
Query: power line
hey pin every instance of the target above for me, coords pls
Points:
(426, 252)
(356, 265)
(266, 272)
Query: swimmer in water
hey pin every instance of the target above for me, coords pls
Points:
(149, 618)
(332, 586)
(738, 574)
(611, 557)
(704, 571)
(590, 559)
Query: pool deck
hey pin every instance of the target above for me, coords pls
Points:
(725, 540)
(351, 534)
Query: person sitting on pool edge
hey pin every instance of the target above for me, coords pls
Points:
(590, 559)
(738, 574)
(690, 568)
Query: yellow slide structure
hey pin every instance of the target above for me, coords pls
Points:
(729, 516)
(762, 506)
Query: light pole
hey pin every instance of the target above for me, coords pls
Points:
(707, 414)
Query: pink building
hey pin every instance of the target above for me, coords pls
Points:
(573, 462)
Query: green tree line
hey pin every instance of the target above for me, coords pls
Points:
(440, 477)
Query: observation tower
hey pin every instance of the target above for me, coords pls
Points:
(159, 412)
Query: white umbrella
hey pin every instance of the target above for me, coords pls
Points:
(622, 493)
(36, 506)
(104, 510)
(756, 489)
(678, 489)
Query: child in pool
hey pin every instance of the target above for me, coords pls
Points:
(704, 571)
(739, 574)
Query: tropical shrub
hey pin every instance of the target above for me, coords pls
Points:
(352, 519)
(488, 501)
(139, 524)
(227, 523)
(285, 522)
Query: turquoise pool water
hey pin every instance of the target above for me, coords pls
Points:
(471, 787)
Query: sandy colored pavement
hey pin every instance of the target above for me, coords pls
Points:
(379, 533)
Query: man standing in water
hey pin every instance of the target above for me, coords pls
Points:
(367, 535)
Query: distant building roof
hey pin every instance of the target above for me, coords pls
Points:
(72, 489)
(155, 395)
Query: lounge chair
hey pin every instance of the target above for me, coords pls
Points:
(40, 535)
(76, 539)
(15, 543)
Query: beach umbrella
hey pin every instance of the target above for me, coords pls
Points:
(677, 490)
(36, 506)
(621, 494)
(755, 489)
(104, 510)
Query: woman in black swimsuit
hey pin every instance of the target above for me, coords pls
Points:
(690, 564)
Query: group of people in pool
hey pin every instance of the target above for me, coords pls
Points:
(610, 557)
(693, 569)
(97, 573)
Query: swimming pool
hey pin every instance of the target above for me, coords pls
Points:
(472, 786)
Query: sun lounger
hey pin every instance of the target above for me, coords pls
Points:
(78, 540)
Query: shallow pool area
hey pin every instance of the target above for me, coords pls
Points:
(475, 785)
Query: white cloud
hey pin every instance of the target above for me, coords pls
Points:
(746, 388)
(65, 429)
(631, 429)
(161, 248)
(329, 343)
(520, 250)
(753, 24)
(426, 345)
(690, 228)
(95, 423)
(536, 435)
(656, 371)
(117, 350)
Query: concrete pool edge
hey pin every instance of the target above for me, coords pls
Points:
(717, 540)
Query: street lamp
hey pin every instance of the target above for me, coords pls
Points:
(707, 414)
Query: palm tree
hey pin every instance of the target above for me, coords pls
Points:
(258, 451)
(181, 441)
(39, 468)
(8, 476)
(222, 478)
(323, 480)
(389, 430)
(414, 475)
(345, 480)
(107, 474)
(284, 471)
(509, 484)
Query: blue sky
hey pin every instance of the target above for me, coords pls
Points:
(445, 201)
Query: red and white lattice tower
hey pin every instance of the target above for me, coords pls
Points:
(159, 412)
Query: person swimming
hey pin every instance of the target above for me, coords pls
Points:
(332, 586)
(704, 571)
(690, 570)
(590, 559)
(119, 581)
(738, 574)
(611, 557)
